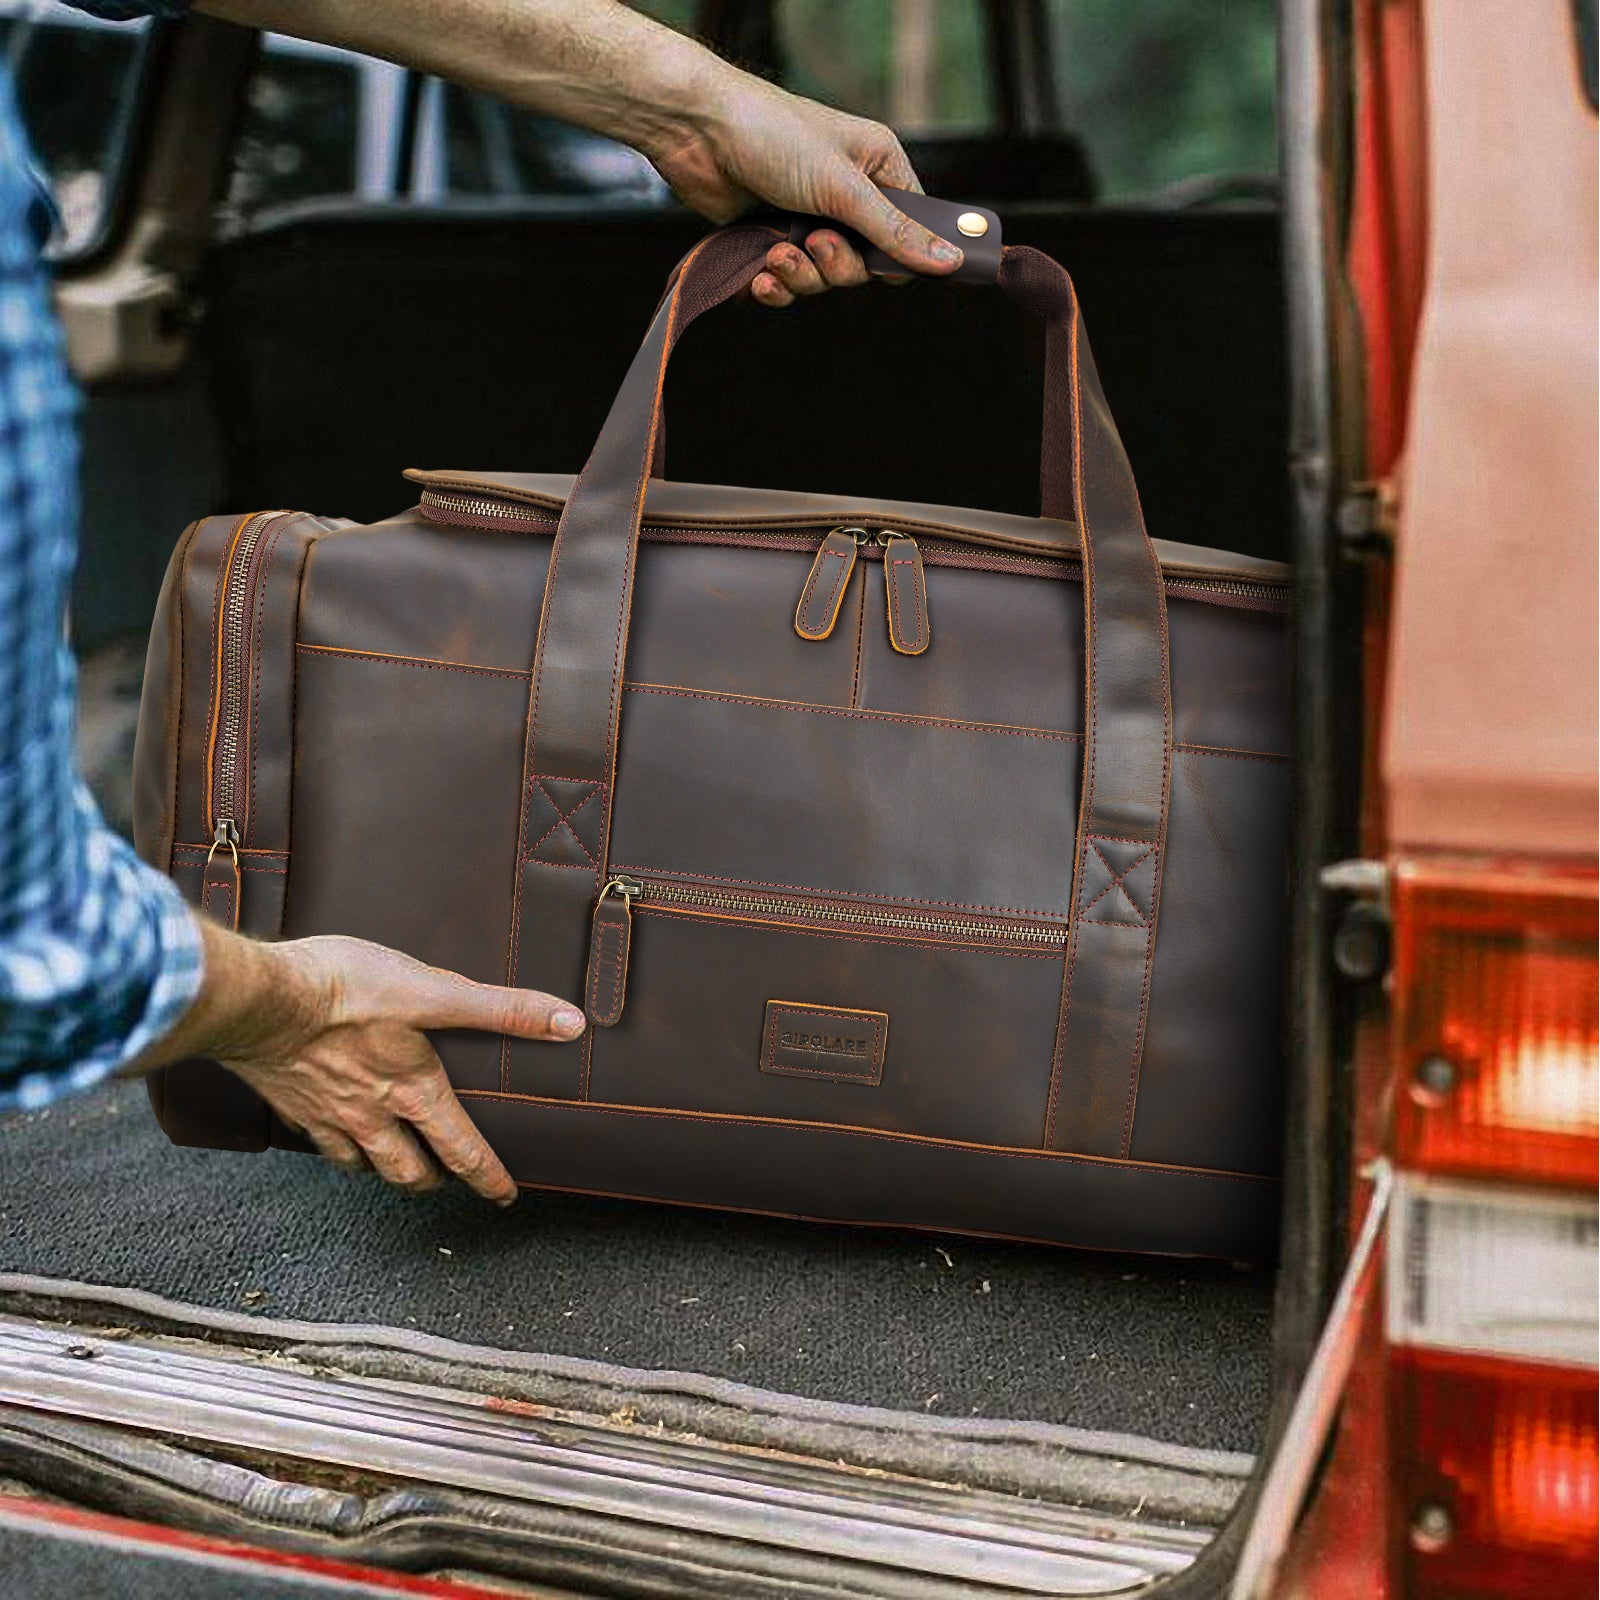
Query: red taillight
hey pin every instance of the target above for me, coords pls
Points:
(1496, 986)
(1493, 1254)
(1499, 1492)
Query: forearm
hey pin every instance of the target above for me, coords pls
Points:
(721, 138)
(592, 62)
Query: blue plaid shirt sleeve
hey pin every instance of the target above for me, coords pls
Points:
(99, 955)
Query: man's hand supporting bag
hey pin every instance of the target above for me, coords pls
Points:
(329, 1031)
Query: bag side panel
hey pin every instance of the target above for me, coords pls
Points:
(198, 1102)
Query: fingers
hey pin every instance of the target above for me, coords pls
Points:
(794, 271)
(769, 292)
(337, 1149)
(439, 1118)
(447, 1000)
(867, 209)
(398, 1159)
(827, 262)
(839, 266)
(891, 167)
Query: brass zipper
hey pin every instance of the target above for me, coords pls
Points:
(449, 505)
(605, 986)
(232, 679)
(833, 913)
(467, 505)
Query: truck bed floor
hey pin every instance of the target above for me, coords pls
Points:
(1169, 1350)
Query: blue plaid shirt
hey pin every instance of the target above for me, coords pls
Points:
(99, 955)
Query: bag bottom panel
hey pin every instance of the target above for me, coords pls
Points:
(867, 1177)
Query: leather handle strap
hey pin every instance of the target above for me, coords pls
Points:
(575, 697)
(1127, 749)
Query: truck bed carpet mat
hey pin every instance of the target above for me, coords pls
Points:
(939, 1325)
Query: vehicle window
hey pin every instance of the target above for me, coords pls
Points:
(495, 149)
(325, 123)
(1168, 92)
(78, 85)
(301, 135)
(921, 67)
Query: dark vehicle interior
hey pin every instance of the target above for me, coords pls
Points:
(400, 274)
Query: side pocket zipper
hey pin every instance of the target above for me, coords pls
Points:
(226, 768)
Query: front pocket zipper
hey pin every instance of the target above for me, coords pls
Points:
(613, 926)
(226, 779)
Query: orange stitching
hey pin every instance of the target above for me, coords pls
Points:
(1228, 753)
(806, 628)
(911, 719)
(384, 658)
(260, 599)
(564, 818)
(186, 545)
(861, 633)
(801, 1125)
(1090, 661)
(244, 850)
(216, 661)
(210, 889)
(602, 962)
(1116, 879)
(873, 1076)
(917, 644)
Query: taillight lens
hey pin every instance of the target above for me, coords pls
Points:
(1496, 987)
(1497, 1496)
(1493, 1259)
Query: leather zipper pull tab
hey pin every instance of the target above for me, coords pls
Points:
(906, 585)
(823, 594)
(219, 883)
(609, 939)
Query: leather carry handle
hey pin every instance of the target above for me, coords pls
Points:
(575, 695)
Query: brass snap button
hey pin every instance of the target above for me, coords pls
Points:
(972, 224)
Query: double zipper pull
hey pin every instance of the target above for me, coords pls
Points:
(906, 585)
(823, 594)
(219, 883)
(904, 582)
(609, 939)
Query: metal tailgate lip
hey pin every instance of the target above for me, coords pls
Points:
(438, 1436)
(42, 1298)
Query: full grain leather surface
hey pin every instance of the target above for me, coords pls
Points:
(465, 768)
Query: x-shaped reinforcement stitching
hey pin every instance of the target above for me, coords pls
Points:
(1118, 874)
(567, 839)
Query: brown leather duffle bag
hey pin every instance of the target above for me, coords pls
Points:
(916, 866)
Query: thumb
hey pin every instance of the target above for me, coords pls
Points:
(457, 1002)
(867, 209)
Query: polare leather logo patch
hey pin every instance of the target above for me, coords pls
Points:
(807, 1041)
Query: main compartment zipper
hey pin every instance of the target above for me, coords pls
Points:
(480, 511)
(624, 892)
